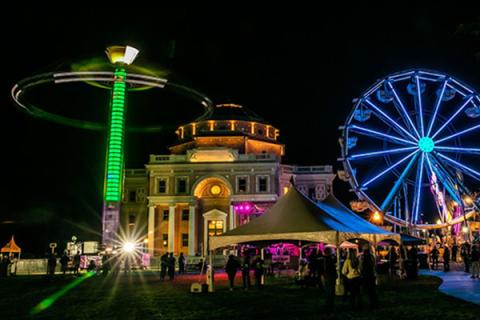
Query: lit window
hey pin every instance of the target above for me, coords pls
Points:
(215, 227)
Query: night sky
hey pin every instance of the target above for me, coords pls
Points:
(298, 68)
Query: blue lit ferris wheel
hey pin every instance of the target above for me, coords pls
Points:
(411, 148)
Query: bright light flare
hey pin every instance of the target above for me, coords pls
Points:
(128, 247)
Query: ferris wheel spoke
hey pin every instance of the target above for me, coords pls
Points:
(380, 153)
(388, 120)
(379, 135)
(458, 134)
(458, 149)
(420, 107)
(471, 172)
(404, 112)
(390, 168)
(453, 116)
(418, 189)
(443, 177)
(398, 184)
(437, 105)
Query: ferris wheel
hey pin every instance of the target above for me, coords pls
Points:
(411, 148)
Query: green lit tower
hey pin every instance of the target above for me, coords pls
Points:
(120, 57)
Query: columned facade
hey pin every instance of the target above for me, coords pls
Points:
(219, 175)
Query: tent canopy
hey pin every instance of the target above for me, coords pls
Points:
(296, 217)
(11, 246)
(406, 239)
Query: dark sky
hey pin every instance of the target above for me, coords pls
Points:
(297, 67)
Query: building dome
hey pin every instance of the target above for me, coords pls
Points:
(231, 111)
(229, 119)
(229, 125)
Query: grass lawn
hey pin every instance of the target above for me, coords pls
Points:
(143, 296)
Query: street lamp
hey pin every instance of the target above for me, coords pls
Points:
(120, 57)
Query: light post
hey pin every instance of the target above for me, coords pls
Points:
(120, 57)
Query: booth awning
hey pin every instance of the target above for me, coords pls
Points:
(11, 247)
(296, 217)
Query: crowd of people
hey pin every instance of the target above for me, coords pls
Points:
(445, 253)
(245, 265)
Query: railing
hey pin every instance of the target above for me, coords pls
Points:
(135, 172)
(306, 169)
(173, 158)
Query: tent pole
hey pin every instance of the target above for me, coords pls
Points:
(338, 286)
(210, 279)
(262, 256)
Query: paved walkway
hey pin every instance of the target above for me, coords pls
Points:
(457, 284)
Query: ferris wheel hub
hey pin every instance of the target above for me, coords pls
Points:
(426, 144)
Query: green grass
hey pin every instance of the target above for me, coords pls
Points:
(145, 297)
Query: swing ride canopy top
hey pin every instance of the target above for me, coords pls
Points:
(410, 148)
(296, 217)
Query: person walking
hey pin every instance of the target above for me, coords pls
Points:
(475, 259)
(171, 266)
(246, 272)
(181, 263)
(351, 272)
(330, 276)
(163, 265)
(446, 259)
(367, 272)
(106, 264)
(231, 269)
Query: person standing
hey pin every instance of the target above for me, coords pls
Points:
(367, 271)
(351, 272)
(51, 264)
(330, 276)
(64, 263)
(76, 263)
(231, 269)
(258, 269)
(163, 265)
(454, 251)
(171, 266)
(465, 254)
(181, 263)
(446, 259)
(106, 264)
(434, 254)
(246, 271)
(475, 259)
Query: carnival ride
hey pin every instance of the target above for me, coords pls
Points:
(410, 149)
(118, 81)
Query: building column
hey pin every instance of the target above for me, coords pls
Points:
(151, 230)
(171, 228)
(231, 218)
(191, 231)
